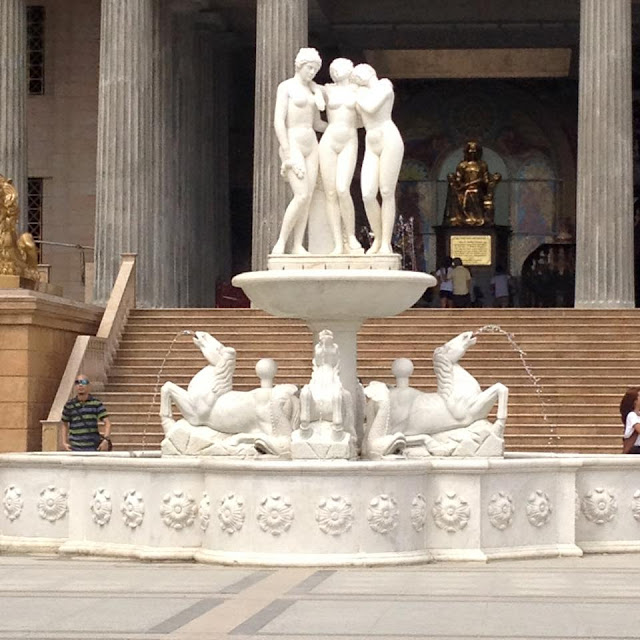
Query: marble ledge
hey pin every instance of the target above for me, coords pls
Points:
(326, 261)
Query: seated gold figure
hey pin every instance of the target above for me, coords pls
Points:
(18, 256)
(470, 200)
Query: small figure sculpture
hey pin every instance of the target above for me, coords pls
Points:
(451, 422)
(220, 421)
(470, 201)
(338, 155)
(299, 102)
(18, 256)
(382, 157)
(327, 427)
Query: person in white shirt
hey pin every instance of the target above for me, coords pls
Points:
(630, 414)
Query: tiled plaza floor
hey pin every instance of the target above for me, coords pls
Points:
(70, 599)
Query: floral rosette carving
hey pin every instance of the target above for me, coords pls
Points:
(501, 510)
(231, 514)
(334, 515)
(451, 513)
(635, 505)
(382, 514)
(178, 510)
(599, 506)
(418, 512)
(275, 515)
(539, 508)
(12, 502)
(52, 504)
(132, 509)
(204, 511)
(101, 507)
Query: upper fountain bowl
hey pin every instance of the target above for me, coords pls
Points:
(334, 294)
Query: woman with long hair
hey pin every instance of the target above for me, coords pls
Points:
(630, 415)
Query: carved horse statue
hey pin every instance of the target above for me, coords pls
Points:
(264, 417)
(324, 398)
(417, 416)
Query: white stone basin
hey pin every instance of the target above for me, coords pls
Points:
(268, 512)
(334, 294)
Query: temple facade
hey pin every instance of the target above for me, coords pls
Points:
(146, 126)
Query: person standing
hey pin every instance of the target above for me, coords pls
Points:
(500, 287)
(461, 278)
(446, 284)
(80, 418)
(630, 414)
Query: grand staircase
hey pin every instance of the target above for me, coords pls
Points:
(566, 372)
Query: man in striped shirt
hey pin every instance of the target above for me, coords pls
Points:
(80, 418)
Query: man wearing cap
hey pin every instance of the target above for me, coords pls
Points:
(80, 418)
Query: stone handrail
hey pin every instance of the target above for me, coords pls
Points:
(93, 355)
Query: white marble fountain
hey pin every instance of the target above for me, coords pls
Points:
(330, 474)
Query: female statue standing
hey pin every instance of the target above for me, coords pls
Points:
(338, 154)
(382, 157)
(297, 118)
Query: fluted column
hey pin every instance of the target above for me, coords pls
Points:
(282, 27)
(604, 216)
(13, 91)
(124, 163)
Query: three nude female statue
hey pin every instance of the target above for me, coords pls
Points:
(355, 98)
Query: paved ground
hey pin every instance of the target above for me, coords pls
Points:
(55, 598)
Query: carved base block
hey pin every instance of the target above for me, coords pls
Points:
(321, 443)
(16, 282)
(482, 439)
(326, 261)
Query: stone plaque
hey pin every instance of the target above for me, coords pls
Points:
(473, 250)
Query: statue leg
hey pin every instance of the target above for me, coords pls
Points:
(180, 397)
(328, 171)
(296, 208)
(346, 167)
(369, 187)
(390, 164)
(300, 225)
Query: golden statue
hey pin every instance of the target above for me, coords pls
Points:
(470, 200)
(18, 256)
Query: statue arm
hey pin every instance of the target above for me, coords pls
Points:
(280, 117)
(370, 99)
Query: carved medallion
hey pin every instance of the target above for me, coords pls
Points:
(52, 504)
(599, 506)
(132, 509)
(451, 513)
(204, 509)
(101, 507)
(501, 510)
(334, 515)
(231, 514)
(538, 508)
(178, 510)
(418, 512)
(382, 514)
(12, 502)
(635, 505)
(275, 515)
